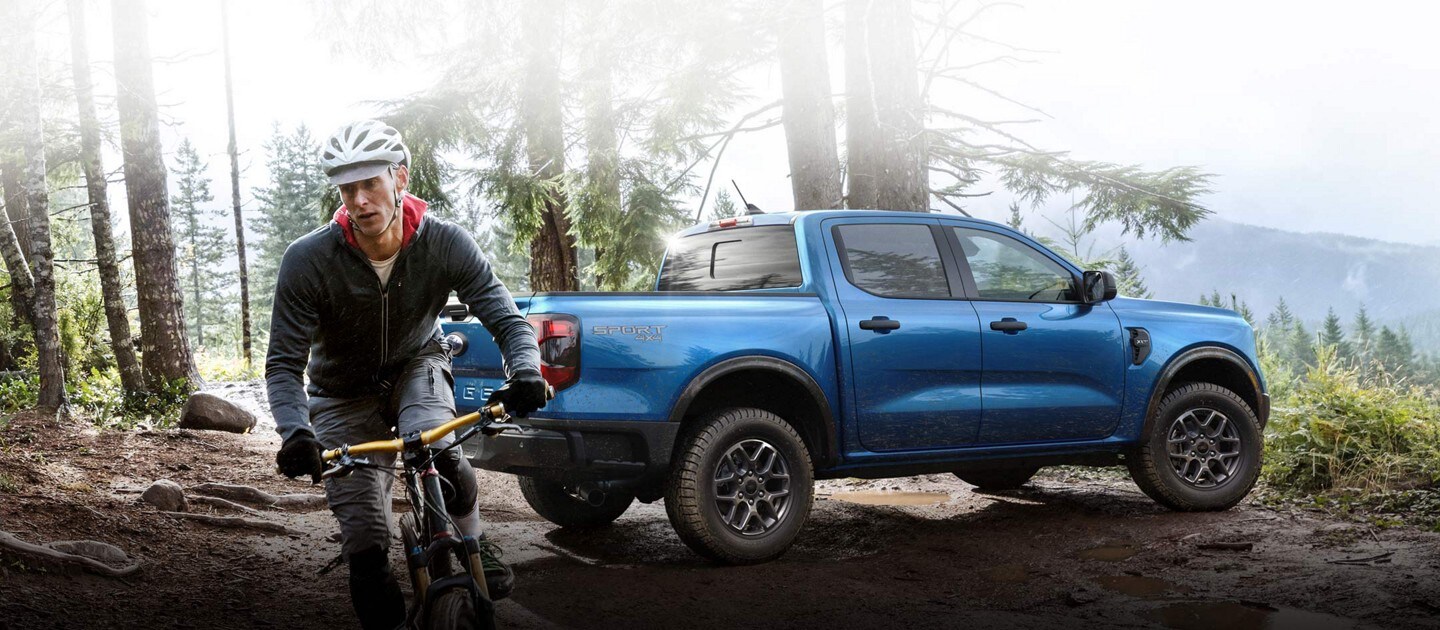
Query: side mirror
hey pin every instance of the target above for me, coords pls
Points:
(1097, 286)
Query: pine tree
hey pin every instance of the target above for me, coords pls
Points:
(809, 116)
(288, 208)
(1302, 346)
(1364, 341)
(725, 207)
(1128, 276)
(201, 246)
(1392, 354)
(1333, 336)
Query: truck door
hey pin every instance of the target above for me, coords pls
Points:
(914, 343)
(1054, 368)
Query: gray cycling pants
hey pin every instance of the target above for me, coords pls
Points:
(422, 398)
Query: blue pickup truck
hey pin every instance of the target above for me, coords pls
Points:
(782, 348)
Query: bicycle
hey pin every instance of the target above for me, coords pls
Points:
(444, 598)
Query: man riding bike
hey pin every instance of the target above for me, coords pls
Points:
(356, 305)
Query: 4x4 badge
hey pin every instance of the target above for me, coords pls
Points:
(641, 333)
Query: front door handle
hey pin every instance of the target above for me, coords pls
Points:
(879, 324)
(1008, 325)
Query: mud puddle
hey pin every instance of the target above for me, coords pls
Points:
(1109, 553)
(892, 498)
(1139, 586)
(1243, 616)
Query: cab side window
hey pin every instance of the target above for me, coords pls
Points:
(1007, 269)
(900, 260)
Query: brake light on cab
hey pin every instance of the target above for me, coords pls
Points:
(559, 338)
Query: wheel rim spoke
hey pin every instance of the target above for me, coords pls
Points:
(1204, 447)
(751, 484)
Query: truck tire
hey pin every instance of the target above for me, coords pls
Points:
(998, 478)
(741, 487)
(1201, 451)
(554, 503)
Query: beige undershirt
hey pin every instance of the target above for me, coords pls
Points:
(383, 267)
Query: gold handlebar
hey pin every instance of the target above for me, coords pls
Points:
(427, 437)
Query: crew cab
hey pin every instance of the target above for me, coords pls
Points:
(777, 349)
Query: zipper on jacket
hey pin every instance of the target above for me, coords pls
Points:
(384, 326)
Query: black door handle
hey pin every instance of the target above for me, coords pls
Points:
(1008, 325)
(879, 323)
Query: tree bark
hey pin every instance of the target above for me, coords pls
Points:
(552, 253)
(245, 342)
(885, 131)
(22, 284)
(121, 341)
(809, 114)
(12, 175)
(26, 91)
(165, 352)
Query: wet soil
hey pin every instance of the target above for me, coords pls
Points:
(1076, 547)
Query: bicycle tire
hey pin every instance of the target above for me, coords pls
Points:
(454, 609)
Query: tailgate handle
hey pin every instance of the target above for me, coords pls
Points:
(879, 324)
(1008, 325)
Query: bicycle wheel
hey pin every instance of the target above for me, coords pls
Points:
(454, 609)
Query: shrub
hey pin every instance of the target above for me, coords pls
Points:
(1335, 432)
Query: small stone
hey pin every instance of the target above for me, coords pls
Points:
(94, 549)
(208, 412)
(1081, 596)
(166, 495)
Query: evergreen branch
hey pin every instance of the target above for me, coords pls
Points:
(724, 139)
(944, 74)
(952, 205)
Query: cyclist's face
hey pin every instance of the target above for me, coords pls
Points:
(371, 202)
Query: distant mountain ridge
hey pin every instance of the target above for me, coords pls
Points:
(1398, 283)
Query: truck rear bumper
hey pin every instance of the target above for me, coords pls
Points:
(577, 450)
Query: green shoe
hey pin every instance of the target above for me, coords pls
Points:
(499, 578)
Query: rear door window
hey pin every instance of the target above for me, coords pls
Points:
(893, 259)
(737, 259)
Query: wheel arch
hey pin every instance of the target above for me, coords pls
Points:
(789, 392)
(1210, 364)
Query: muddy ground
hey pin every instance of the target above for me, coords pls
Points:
(1075, 548)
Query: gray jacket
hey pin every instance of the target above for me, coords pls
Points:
(333, 321)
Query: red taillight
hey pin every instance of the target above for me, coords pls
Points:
(559, 338)
(724, 223)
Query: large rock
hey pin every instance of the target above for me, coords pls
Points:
(166, 495)
(209, 412)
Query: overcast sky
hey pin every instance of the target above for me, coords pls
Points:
(1315, 116)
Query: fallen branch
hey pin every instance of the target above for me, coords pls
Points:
(1378, 559)
(236, 522)
(223, 503)
(9, 542)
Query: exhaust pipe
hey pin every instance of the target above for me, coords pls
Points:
(591, 493)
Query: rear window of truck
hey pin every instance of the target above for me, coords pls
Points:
(737, 259)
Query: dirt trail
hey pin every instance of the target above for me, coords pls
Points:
(1075, 547)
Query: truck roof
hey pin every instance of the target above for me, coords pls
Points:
(779, 218)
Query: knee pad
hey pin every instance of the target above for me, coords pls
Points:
(462, 491)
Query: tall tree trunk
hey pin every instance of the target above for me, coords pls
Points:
(245, 343)
(12, 177)
(165, 355)
(195, 284)
(809, 114)
(26, 92)
(552, 253)
(22, 284)
(121, 342)
(885, 132)
(603, 154)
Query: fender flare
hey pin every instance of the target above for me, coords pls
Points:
(780, 367)
(1179, 361)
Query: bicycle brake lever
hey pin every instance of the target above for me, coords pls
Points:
(496, 428)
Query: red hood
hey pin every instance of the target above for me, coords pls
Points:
(414, 208)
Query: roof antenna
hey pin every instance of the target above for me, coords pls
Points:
(750, 208)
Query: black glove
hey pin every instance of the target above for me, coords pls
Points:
(521, 394)
(299, 456)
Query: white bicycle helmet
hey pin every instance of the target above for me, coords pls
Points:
(361, 150)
